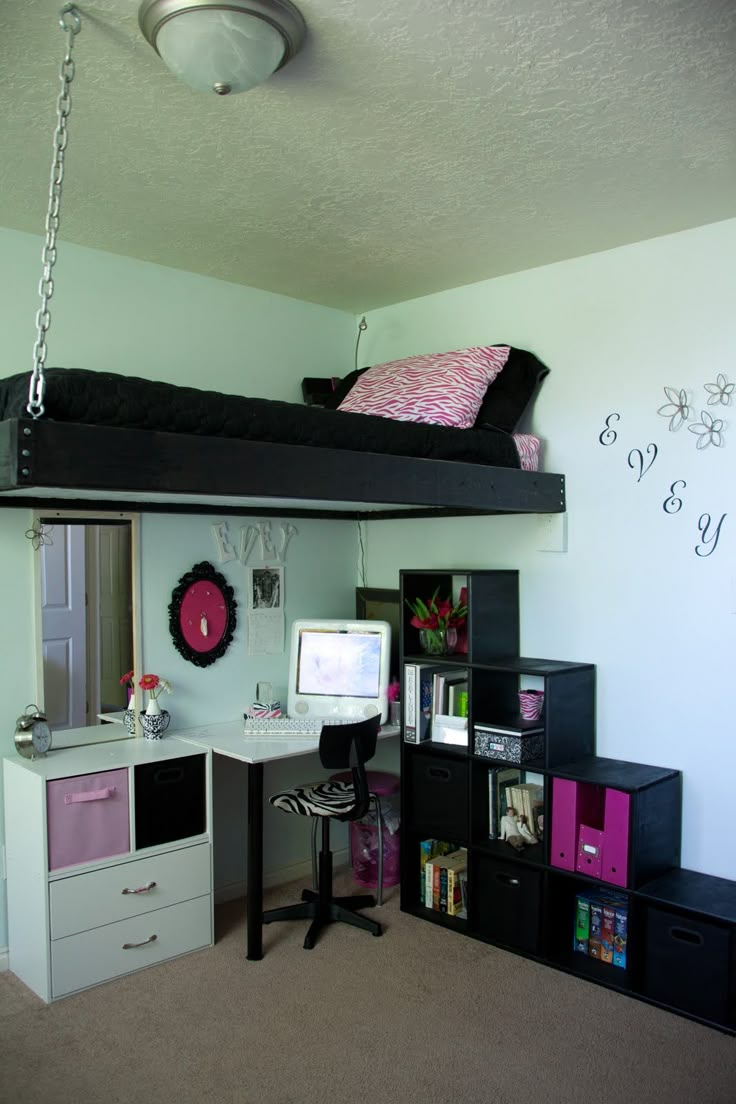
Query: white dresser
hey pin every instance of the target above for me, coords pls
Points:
(74, 925)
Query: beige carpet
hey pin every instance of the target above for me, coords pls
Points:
(420, 1015)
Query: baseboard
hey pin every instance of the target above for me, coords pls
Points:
(4, 959)
(301, 871)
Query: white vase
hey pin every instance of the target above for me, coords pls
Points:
(153, 708)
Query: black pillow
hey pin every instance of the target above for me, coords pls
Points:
(511, 392)
(333, 400)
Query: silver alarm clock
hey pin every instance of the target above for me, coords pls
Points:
(32, 733)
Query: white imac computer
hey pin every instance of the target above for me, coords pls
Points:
(339, 669)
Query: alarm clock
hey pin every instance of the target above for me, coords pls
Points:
(32, 733)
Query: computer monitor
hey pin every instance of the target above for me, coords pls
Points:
(339, 669)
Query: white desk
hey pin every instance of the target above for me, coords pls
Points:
(229, 739)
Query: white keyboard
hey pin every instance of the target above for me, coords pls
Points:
(288, 726)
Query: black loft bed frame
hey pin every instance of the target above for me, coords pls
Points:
(72, 465)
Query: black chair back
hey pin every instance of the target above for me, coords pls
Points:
(352, 745)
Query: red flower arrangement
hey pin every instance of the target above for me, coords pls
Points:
(438, 621)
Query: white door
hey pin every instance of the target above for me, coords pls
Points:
(115, 622)
(64, 627)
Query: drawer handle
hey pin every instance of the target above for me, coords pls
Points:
(507, 879)
(687, 936)
(140, 889)
(440, 774)
(130, 946)
(164, 776)
(90, 795)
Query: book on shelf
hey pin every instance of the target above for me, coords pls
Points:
(443, 886)
(418, 701)
(601, 921)
(442, 682)
(607, 931)
(498, 779)
(431, 850)
(620, 924)
(596, 926)
(582, 923)
(457, 698)
(527, 799)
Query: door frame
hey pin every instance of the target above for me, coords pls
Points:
(81, 517)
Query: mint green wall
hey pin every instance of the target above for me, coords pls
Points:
(116, 314)
(630, 595)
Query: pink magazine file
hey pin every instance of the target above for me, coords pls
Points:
(590, 851)
(616, 838)
(563, 837)
(87, 818)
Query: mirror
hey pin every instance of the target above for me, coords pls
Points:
(86, 616)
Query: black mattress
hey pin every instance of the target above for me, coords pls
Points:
(108, 399)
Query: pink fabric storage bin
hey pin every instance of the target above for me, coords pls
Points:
(87, 817)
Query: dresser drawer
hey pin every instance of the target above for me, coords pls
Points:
(87, 817)
(116, 949)
(86, 901)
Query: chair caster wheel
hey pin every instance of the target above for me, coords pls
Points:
(377, 933)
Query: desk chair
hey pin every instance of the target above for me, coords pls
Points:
(341, 746)
(373, 800)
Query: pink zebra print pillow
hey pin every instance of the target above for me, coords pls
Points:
(438, 388)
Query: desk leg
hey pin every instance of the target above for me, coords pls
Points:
(254, 903)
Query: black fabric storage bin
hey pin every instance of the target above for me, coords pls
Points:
(508, 897)
(169, 800)
(689, 965)
(439, 788)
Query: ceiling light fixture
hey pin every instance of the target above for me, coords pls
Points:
(223, 47)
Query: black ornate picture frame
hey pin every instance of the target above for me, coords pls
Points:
(202, 616)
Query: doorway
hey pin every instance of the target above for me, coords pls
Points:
(87, 616)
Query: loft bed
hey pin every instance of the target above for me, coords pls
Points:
(125, 443)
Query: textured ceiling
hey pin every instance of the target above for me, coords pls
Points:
(411, 146)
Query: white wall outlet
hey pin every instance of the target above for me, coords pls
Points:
(552, 535)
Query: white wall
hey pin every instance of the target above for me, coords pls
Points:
(630, 595)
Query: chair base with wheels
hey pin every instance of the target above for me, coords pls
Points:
(340, 746)
(321, 907)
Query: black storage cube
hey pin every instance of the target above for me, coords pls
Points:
(439, 794)
(689, 965)
(169, 800)
(508, 897)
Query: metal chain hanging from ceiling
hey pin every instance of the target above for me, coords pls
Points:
(70, 22)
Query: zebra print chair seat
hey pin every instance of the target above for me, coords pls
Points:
(340, 747)
(321, 799)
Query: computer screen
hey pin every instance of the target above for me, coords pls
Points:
(339, 669)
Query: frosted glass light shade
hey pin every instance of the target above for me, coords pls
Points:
(220, 50)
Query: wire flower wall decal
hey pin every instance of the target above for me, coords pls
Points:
(720, 391)
(708, 430)
(39, 534)
(677, 409)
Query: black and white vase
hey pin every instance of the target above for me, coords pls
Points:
(154, 721)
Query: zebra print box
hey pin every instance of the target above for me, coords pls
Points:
(508, 747)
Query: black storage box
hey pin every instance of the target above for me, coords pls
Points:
(439, 789)
(169, 800)
(690, 965)
(508, 903)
